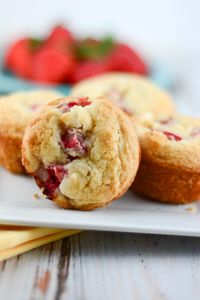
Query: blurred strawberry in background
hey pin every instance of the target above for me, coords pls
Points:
(88, 68)
(125, 59)
(91, 54)
(52, 66)
(60, 38)
(54, 62)
(62, 58)
(19, 56)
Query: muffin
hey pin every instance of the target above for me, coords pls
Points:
(16, 110)
(170, 163)
(134, 94)
(82, 152)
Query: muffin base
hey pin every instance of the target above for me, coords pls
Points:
(65, 202)
(10, 154)
(61, 201)
(166, 183)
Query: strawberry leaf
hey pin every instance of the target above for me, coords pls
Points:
(94, 49)
(35, 44)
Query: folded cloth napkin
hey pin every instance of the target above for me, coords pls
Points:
(15, 240)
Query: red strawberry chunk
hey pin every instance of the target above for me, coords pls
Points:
(84, 101)
(80, 102)
(74, 140)
(125, 109)
(114, 94)
(51, 179)
(171, 136)
(59, 172)
(166, 121)
(195, 131)
(34, 107)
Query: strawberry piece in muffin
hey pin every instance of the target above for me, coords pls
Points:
(172, 136)
(50, 179)
(74, 142)
(79, 102)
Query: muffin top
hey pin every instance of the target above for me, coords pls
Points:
(174, 141)
(18, 108)
(134, 94)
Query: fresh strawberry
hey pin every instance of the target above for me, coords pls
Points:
(52, 66)
(123, 58)
(60, 38)
(61, 58)
(87, 69)
(19, 56)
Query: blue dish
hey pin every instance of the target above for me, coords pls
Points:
(159, 73)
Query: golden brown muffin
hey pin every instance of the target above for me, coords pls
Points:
(82, 152)
(15, 111)
(134, 94)
(170, 163)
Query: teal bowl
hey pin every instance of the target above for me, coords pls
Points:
(159, 73)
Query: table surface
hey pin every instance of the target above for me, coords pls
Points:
(97, 265)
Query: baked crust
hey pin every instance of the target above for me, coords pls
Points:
(167, 184)
(112, 161)
(135, 94)
(15, 114)
(10, 153)
(169, 170)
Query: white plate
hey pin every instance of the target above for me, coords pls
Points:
(18, 205)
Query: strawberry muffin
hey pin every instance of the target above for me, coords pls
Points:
(134, 94)
(170, 164)
(16, 110)
(82, 152)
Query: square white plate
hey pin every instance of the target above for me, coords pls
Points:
(19, 206)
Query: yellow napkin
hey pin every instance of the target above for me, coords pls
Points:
(15, 240)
